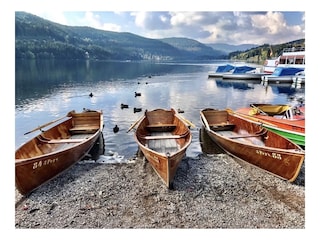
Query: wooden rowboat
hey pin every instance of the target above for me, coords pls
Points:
(163, 137)
(283, 119)
(248, 141)
(54, 150)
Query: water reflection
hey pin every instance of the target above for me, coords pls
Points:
(207, 145)
(47, 90)
(236, 84)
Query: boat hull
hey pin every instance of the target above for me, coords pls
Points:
(281, 79)
(40, 160)
(244, 76)
(270, 151)
(162, 145)
(215, 74)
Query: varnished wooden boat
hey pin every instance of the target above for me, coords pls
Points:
(283, 119)
(54, 150)
(163, 137)
(248, 141)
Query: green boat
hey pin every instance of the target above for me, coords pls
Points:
(295, 137)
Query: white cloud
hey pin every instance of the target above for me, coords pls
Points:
(272, 22)
(226, 27)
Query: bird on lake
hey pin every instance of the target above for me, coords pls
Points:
(180, 110)
(116, 129)
(91, 94)
(124, 106)
(137, 94)
(137, 110)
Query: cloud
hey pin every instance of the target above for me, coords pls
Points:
(227, 27)
(95, 20)
(152, 20)
(206, 27)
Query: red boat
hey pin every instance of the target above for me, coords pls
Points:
(281, 118)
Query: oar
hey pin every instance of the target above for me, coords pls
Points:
(134, 124)
(204, 120)
(249, 117)
(185, 120)
(44, 125)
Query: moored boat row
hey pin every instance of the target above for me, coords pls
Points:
(163, 137)
(279, 74)
(289, 67)
(242, 72)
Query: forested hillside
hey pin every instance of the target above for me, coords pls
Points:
(266, 51)
(39, 38)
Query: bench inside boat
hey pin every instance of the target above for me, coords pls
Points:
(163, 142)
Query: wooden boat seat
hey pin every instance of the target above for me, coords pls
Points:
(163, 127)
(55, 141)
(222, 127)
(163, 142)
(83, 129)
(163, 137)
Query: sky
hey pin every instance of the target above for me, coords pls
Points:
(232, 27)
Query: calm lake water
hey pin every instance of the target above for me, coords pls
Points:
(47, 90)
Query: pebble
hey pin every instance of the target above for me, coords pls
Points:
(210, 192)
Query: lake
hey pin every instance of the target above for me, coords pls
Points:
(48, 90)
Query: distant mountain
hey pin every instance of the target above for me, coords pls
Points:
(193, 46)
(227, 48)
(39, 38)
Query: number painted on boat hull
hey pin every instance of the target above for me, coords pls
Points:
(273, 155)
(44, 163)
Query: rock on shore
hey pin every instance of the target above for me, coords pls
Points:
(210, 192)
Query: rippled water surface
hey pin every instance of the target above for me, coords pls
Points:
(47, 90)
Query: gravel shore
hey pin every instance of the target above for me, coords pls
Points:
(210, 191)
